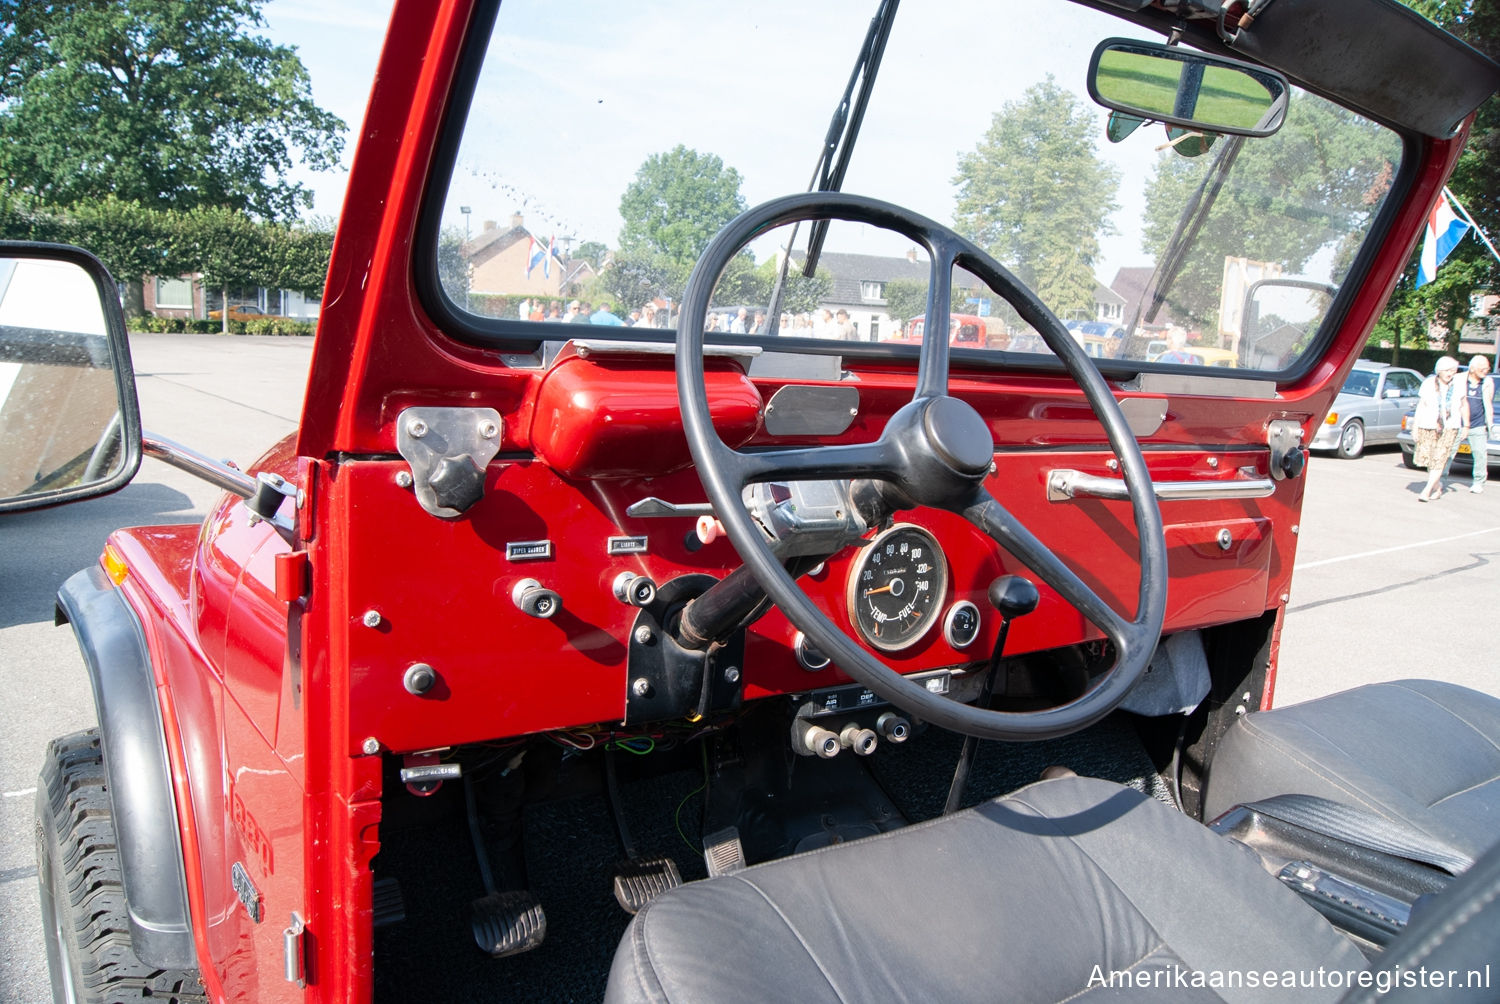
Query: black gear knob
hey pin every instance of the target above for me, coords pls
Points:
(1014, 596)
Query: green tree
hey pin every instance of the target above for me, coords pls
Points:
(905, 298)
(675, 205)
(231, 250)
(1036, 195)
(1318, 179)
(164, 103)
(1470, 268)
(592, 252)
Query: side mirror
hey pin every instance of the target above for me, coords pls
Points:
(1279, 320)
(1186, 88)
(70, 427)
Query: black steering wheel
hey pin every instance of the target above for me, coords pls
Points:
(935, 451)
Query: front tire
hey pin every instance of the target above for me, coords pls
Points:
(1352, 440)
(89, 954)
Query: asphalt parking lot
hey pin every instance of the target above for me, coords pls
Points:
(1385, 587)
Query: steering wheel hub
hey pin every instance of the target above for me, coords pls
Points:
(959, 436)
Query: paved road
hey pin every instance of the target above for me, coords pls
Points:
(1383, 589)
(227, 397)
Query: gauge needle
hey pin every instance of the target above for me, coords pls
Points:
(883, 589)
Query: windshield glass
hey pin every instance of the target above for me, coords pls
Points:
(603, 150)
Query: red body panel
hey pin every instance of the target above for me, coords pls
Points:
(269, 704)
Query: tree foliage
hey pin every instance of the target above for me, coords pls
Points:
(1470, 269)
(905, 298)
(1288, 197)
(164, 103)
(1036, 195)
(676, 203)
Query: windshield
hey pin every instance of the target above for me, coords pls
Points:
(603, 150)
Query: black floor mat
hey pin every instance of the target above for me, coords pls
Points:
(572, 852)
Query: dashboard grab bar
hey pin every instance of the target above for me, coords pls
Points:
(1064, 485)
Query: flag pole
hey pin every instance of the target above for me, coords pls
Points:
(1447, 193)
(1470, 221)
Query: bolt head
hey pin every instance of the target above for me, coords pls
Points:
(488, 430)
(371, 619)
(371, 746)
(731, 674)
(641, 687)
(643, 636)
(403, 479)
(416, 428)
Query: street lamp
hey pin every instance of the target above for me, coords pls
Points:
(466, 210)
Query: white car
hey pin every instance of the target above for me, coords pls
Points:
(1368, 409)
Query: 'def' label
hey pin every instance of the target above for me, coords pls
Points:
(626, 545)
(528, 550)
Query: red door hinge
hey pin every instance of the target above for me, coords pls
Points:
(291, 576)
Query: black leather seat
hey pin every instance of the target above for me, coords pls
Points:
(1041, 895)
(1421, 754)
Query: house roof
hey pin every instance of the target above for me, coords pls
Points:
(1130, 283)
(849, 270)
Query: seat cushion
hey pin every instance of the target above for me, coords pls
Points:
(1417, 752)
(1041, 895)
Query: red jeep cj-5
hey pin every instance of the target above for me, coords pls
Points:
(853, 671)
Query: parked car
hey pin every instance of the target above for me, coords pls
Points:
(965, 331)
(520, 617)
(1368, 409)
(1464, 458)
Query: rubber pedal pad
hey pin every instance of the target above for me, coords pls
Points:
(389, 905)
(639, 882)
(508, 923)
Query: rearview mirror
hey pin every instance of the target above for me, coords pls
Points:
(70, 427)
(1183, 87)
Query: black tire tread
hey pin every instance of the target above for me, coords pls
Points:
(78, 829)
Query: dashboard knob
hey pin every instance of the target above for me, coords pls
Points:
(814, 740)
(861, 741)
(634, 590)
(535, 600)
(893, 728)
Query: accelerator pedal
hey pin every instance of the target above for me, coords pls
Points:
(723, 852)
(639, 881)
(508, 923)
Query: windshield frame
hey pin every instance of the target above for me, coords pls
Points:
(527, 338)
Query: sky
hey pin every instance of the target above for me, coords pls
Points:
(339, 41)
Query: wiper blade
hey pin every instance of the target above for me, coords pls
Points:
(843, 130)
(1189, 222)
(838, 142)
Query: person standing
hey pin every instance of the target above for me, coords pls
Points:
(1478, 424)
(1439, 410)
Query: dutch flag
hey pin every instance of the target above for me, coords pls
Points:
(1444, 231)
(537, 255)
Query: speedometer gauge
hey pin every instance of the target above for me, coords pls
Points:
(897, 587)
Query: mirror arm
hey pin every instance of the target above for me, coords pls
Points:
(215, 472)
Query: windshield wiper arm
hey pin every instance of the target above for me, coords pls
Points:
(1189, 222)
(838, 142)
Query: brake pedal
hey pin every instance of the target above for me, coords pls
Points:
(723, 852)
(639, 881)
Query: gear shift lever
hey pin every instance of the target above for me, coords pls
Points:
(1014, 596)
